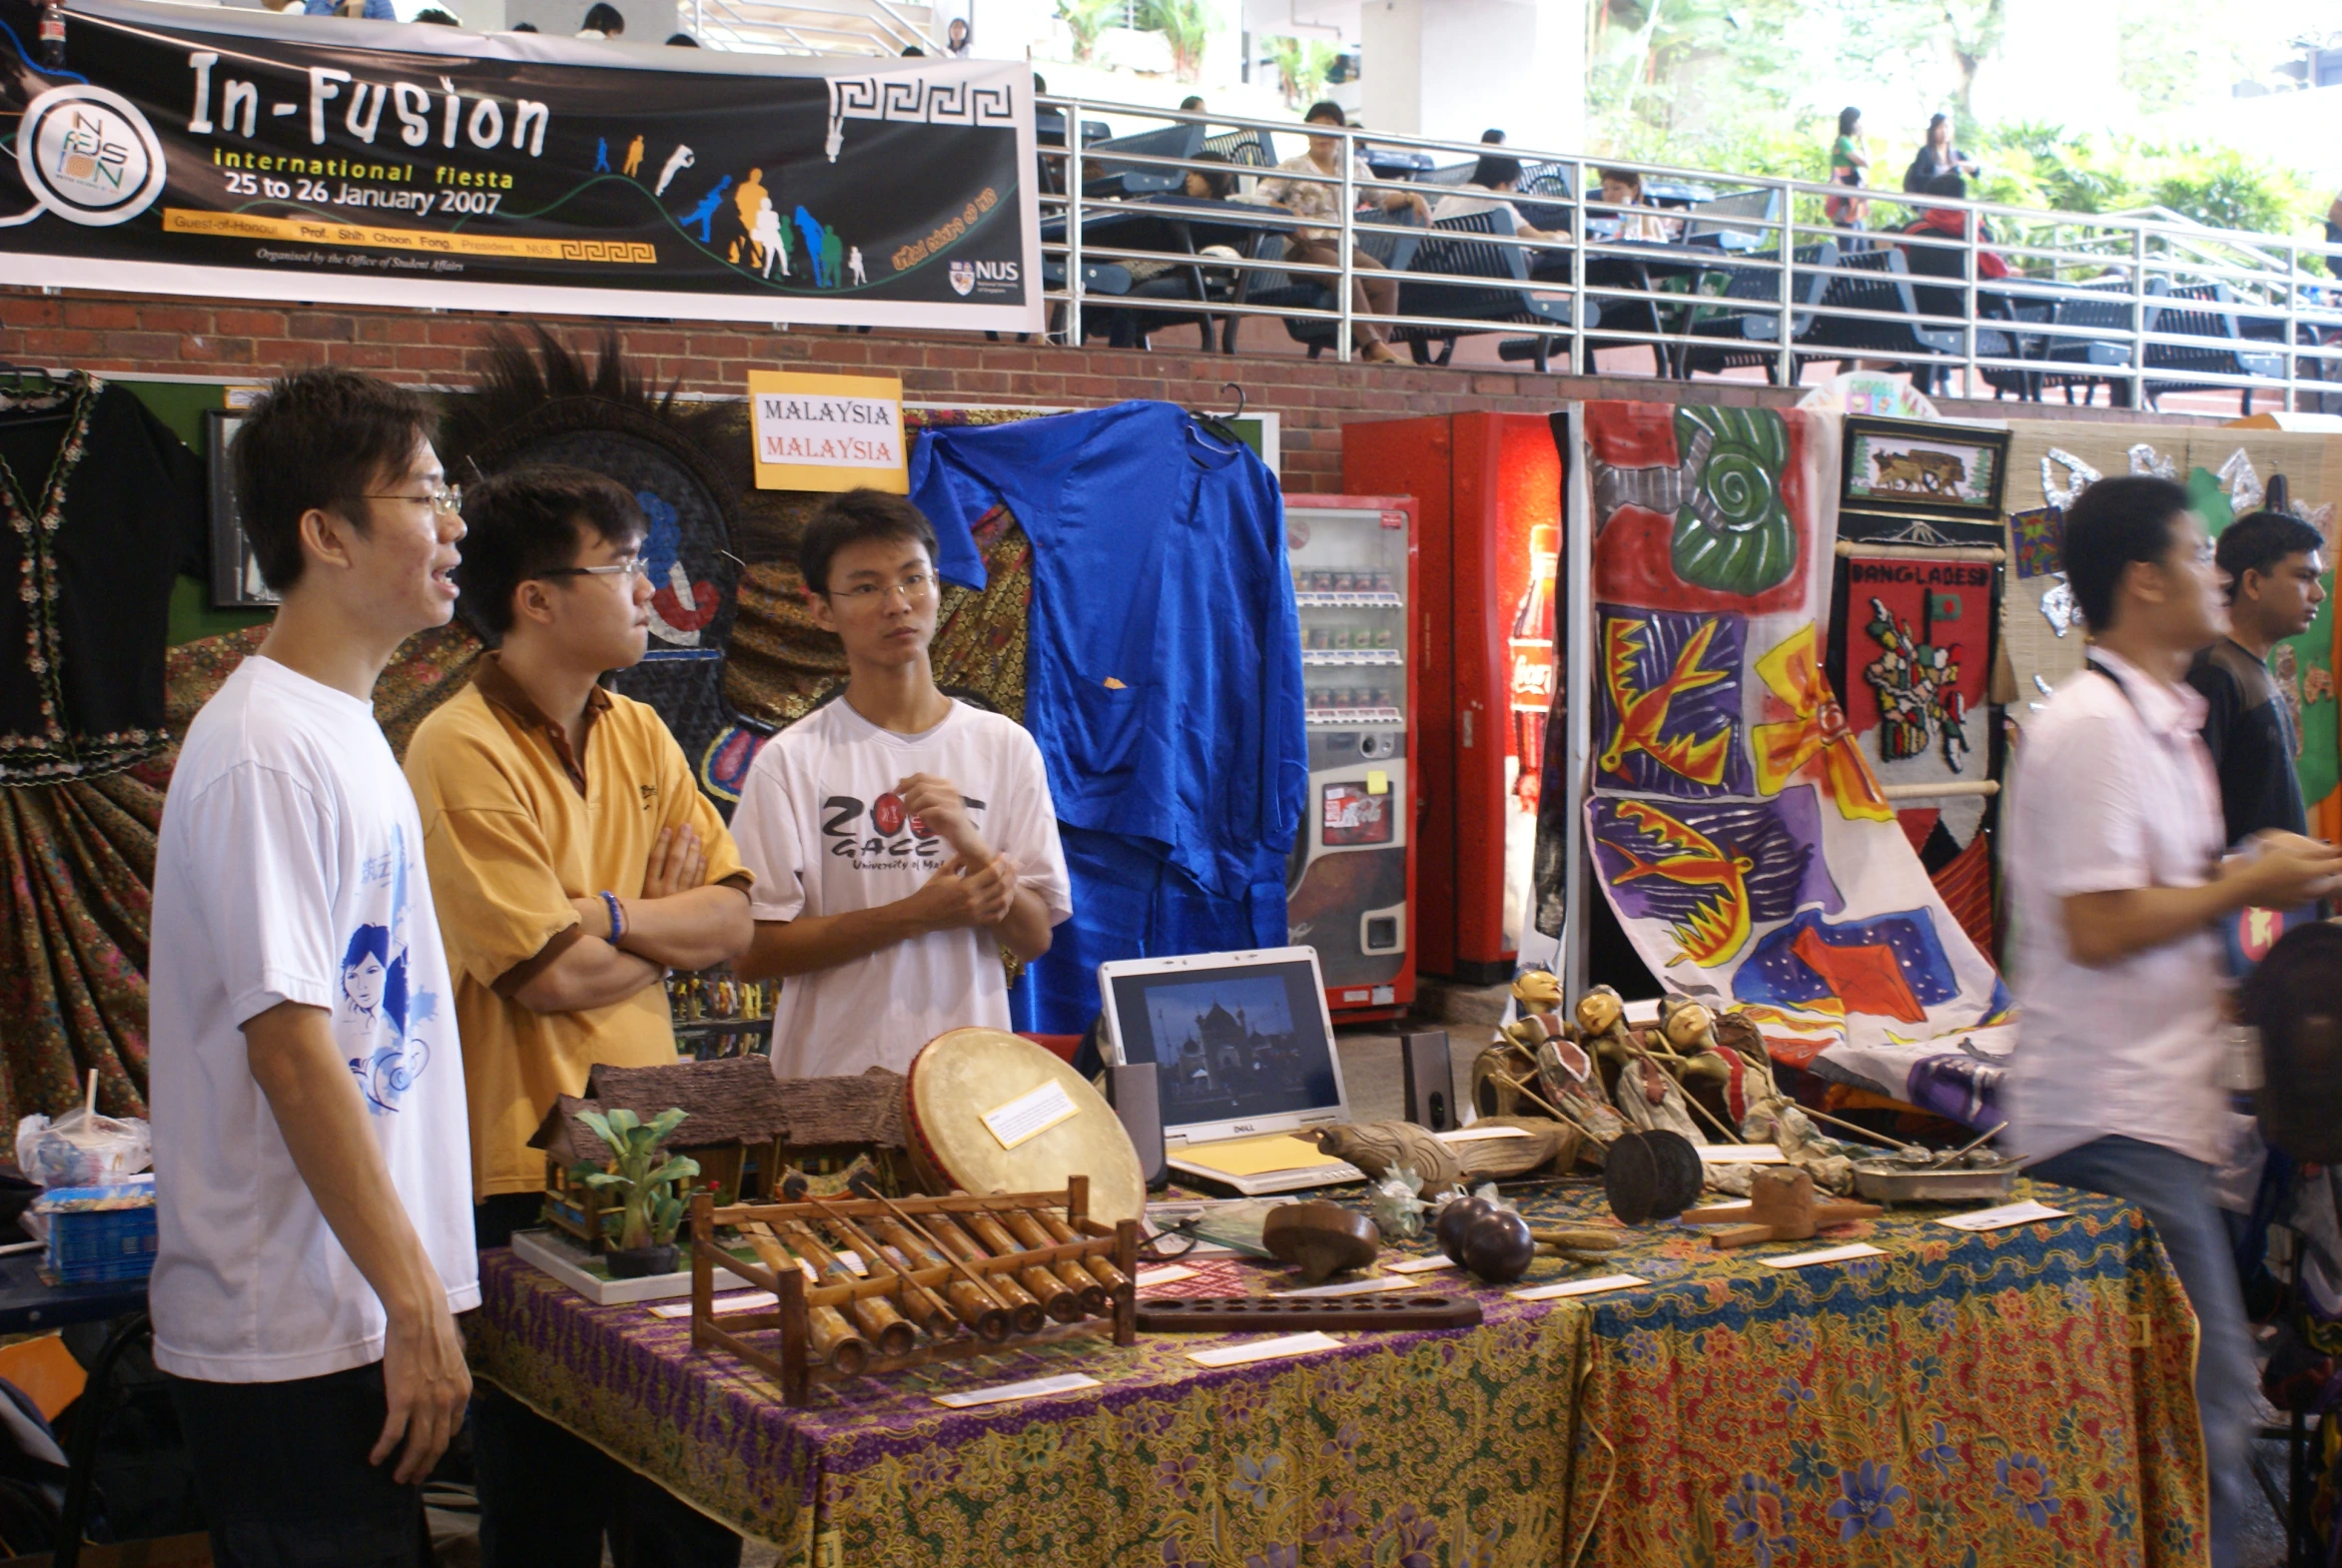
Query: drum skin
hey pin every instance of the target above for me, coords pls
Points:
(963, 1075)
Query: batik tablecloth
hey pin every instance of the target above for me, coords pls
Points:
(2010, 1398)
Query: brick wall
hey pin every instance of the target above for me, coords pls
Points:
(143, 335)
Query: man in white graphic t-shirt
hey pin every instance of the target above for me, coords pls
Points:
(900, 839)
(312, 1168)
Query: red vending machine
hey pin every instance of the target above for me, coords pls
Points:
(1351, 884)
(1489, 488)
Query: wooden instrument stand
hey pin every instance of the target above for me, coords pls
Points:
(796, 1368)
(1782, 1208)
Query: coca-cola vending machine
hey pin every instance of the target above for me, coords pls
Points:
(1488, 541)
(1350, 885)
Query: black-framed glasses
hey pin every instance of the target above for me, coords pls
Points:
(447, 500)
(631, 566)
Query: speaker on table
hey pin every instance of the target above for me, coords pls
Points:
(1134, 1090)
(1430, 1081)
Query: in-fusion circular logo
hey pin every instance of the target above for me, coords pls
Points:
(89, 156)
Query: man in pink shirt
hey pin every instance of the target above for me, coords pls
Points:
(2116, 873)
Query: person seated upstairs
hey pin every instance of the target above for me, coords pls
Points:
(1952, 223)
(1311, 190)
(1494, 177)
(1623, 187)
(2272, 562)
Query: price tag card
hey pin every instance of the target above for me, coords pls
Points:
(1474, 1135)
(1420, 1265)
(1742, 1154)
(2002, 1218)
(1031, 1388)
(1554, 1292)
(1828, 1255)
(1264, 1350)
(1349, 1288)
(753, 1302)
(1030, 1116)
(1170, 1275)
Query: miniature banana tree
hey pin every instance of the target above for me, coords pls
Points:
(649, 1194)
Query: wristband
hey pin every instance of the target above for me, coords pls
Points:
(617, 916)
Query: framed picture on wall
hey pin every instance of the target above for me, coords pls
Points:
(235, 577)
(1910, 481)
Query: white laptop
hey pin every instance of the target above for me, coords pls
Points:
(1246, 1050)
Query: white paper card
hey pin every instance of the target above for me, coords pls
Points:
(753, 1302)
(1031, 1388)
(1349, 1288)
(1170, 1273)
(2005, 1215)
(1474, 1135)
(1742, 1154)
(1419, 1265)
(1264, 1350)
(1577, 1287)
(1030, 1116)
(1828, 1255)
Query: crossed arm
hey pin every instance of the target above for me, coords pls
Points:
(679, 922)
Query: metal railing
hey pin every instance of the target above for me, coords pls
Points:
(1752, 270)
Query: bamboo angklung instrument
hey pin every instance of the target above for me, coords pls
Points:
(1087, 1291)
(1027, 1311)
(887, 1329)
(1055, 1295)
(1102, 1269)
(921, 1305)
(834, 1339)
(971, 1295)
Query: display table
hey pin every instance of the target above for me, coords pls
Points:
(2009, 1397)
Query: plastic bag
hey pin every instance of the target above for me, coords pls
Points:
(82, 1148)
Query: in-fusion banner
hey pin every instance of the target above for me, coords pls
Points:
(242, 154)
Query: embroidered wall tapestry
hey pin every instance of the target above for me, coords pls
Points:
(1733, 821)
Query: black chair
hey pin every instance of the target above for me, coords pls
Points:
(2073, 356)
(1741, 221)
(1744, 328)
(2213, 346)
(1245, 149)
(1478, 247)
(1116, 177)
(1261, 286)
(1944, 308)
(1098, 277)
(1549, 179)
(1875, 280)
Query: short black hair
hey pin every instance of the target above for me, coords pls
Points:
(1221, 183)
(437, 17)
(1327, 109)
(1192, 103)
(1623, 177)
(525, 522)
(1848, 119)
(681, 41)
(603, 17)
(525, 27)
(2258, 540)
(1495, 169)
(852, 518)
(1948, 182)
(1492, 137)
(2113, 524)
(318, 439)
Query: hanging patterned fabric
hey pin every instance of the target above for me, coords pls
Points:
(104, 507)
(1734, 822)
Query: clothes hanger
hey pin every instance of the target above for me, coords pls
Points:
(1217, 424)
(30, 381)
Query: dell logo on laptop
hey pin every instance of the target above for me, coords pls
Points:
(1243, 1127)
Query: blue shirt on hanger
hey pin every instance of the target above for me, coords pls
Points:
(1164, 681)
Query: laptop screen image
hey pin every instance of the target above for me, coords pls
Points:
(1242, 1045)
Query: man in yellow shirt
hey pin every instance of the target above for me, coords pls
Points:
(575, 861)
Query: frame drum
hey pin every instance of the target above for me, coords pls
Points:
(965, 1074)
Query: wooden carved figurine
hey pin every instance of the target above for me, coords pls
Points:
(1644, 1091)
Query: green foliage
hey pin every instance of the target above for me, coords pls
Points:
(1086, 19)
(1303, 64)
(650, 1204)
(1189, 25)
(2031, 163)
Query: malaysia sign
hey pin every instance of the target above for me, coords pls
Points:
(242, 154)
(827, 432)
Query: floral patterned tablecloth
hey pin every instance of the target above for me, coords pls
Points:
(2010, 1398)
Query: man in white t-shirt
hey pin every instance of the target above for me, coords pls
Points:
(310, 1142)
(899, 839)
(2115, 875)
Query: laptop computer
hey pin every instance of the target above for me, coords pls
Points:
(1247, 1059)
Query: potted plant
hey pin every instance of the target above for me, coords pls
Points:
(641, 1231)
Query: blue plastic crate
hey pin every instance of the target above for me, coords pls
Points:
(99, 1233)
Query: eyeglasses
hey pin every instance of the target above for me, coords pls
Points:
(448, 499)
(912, 588)
(631, 566)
